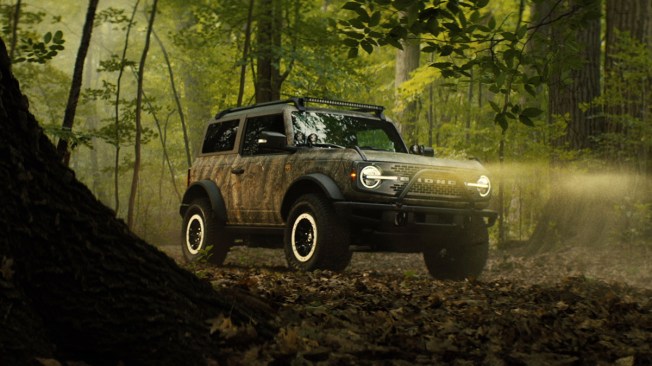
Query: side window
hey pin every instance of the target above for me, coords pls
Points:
(220, 136)
(256, 125)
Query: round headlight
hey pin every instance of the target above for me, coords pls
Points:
(366, 177)
(484, 186)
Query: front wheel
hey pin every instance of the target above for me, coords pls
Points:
(462, 255)
(315, 238)
(202, 235)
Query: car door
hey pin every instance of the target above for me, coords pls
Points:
(257, 178)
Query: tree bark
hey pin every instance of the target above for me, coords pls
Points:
(407, 60)
(629, 99)
(268, 76)
(245, 52)
(14, 29)
(569, 92)
(123, 59)
(75, 88)
(139, 105)
(75, 284)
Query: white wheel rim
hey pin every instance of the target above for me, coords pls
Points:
(195, 234)
(299, 248)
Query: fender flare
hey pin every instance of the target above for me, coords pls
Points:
(209, 189)
(324, 183)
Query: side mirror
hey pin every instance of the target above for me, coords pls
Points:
(422, 150)
(272, 140)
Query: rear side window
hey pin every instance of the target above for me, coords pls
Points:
(220, 136)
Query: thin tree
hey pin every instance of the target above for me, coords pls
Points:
(177, 100)
(139, 104)
(245, 52)
(123, 59)
(14, 29)
(75, 88)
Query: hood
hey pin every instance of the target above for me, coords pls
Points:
(392, 157)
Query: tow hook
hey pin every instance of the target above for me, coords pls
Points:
(400, 219)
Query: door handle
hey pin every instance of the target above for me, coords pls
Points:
(237, 171)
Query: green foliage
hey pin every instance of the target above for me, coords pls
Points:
(30, 50)
(463, 36)
(31, 45)
(626, 103)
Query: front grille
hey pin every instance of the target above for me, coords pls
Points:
(430, 185)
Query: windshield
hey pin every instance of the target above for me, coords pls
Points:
(323, 129)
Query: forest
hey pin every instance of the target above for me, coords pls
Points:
(553, 96)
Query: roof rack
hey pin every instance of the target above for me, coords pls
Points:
(300, 103)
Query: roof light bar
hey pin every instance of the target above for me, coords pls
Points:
(362, 106)
(300, 103)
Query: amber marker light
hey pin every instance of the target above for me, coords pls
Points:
(353, 175)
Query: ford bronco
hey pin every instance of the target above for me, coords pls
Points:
(322, 178)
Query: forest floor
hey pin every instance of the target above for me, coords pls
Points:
(575, 307)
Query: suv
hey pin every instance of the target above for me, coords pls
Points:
(322, 182)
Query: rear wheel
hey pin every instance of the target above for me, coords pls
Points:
(202, 235)
(463, 255)
(315, 238)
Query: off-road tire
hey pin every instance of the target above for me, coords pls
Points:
(463, 254)
(201, 230)
(315, 237)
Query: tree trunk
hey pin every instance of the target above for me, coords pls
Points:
(75, 284)
(177, 100)
(570, 92)
(75, 88)
(139, 105)
(629, 100)
(123, 59)
(245, 52)
(268, 75)
(14, 29)
(407, 60)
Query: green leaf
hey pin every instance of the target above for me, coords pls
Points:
(58, 36)
(494, 106)
(446, 50)
(531, 112)
(509, 36)
(350, 42)
(367, 46)
(375, 19)
(352, 5)
(353, 52)
(492, 23)
(441, 65)
(525, 120)
(530, 89)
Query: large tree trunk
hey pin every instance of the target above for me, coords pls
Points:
(628, 91)
(74, 282)
(569, 93)
(407, 60)
(268, 77)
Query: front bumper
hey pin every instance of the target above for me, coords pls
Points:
(406, 216)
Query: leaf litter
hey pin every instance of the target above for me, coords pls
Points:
(386, 310)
